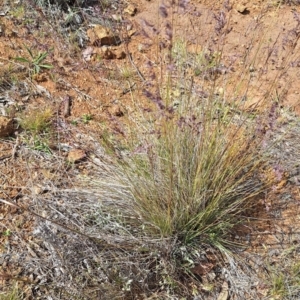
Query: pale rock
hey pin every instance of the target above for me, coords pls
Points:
(108, 53)
(116, 110)
(142, 48)
(131, 32)
(131, 10)
(76, 155)
(120, 54)
(242, 9)
(37, 190)
(220, 91)
(101, 36)
(224, 292)
(117, 18)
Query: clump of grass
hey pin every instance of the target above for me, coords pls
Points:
(37, 121)
(18, 12)
(278, 285)
(194, 168)
(126, 73)
(13, 294)
(37, 124)
(193, 172)
(284, 280)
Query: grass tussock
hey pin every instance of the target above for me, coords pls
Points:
(193, 164)
(192, 173)
(37, 121)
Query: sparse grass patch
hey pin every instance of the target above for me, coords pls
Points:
(17, 12)
(126, 73)
(13, 294)
(86, 118)
(38, 127)
(285, 276)
(37, 120)
(41, 144)
(278, 285)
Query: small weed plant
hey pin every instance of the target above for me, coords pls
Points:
(35, 61)
(86, 118)
(285, 283)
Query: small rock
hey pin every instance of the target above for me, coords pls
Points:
(107, 53)
(220, 91)
(11, 33)
(100, 36)
(252, 69)
(66, 106)
(211, 276)
(117, 18)
(202, 268)
(131, 10)
(37, 190)
(87, 53)
(6, 126)
(116, 110)
(142, 48)
(120, 54)
(131, 32)
(242, 9)
(1, 29)
(75, 155)
(40, 77)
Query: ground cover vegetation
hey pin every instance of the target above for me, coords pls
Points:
(172, 185)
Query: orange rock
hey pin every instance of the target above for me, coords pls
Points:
(6, 126)
(101, 36)
(76, 155)
(131, 10)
